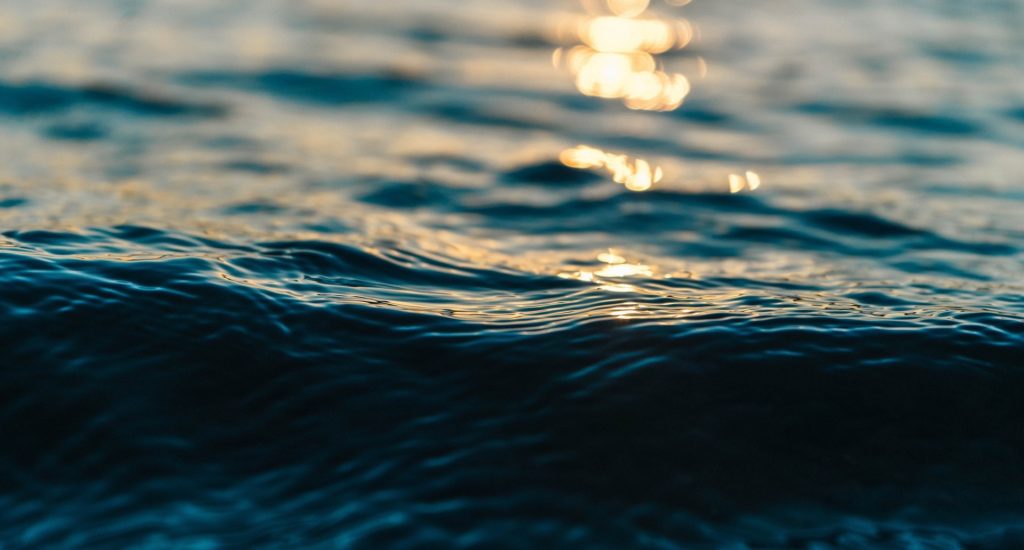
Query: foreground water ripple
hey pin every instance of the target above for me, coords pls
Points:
(318, 274)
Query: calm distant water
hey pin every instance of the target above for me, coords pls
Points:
(312, 274)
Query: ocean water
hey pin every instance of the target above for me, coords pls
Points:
(337, 274)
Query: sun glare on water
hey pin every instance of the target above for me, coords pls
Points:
(614, 55)
(635, 174)
(613, 270)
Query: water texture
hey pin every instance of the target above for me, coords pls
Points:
(316, 274)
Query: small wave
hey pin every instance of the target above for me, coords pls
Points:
(29, 98)
(174, 377)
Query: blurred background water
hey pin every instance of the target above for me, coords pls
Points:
(433, 273)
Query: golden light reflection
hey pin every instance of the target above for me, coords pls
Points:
(616, 267)
(625, 270)
(610, 258)
(628, 8)
(615, 56)
(618, 287)
(750, 181)
(627, 311)
(636, 174)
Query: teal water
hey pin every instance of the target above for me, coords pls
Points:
(321, 274)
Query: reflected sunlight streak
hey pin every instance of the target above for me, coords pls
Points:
(616, 267)
(750, 181)
(615, 56)
(636, 174)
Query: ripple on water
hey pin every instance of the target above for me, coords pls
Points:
(271, 381)
(289, 274)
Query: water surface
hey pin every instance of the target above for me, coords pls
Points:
(315, 274)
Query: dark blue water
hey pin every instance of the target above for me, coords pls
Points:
(310, 274)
